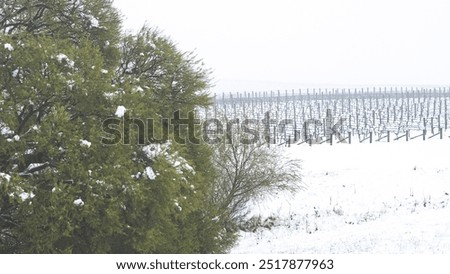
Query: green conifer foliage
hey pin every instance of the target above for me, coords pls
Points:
(64, 69)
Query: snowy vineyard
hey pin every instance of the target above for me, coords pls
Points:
(315, 116)
(357, 200)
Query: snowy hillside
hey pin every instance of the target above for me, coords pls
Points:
(361, 198)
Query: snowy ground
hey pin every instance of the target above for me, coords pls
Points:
(361, 198)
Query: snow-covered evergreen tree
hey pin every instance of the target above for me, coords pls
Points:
(65, 68)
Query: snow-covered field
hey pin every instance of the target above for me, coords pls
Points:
(362, 198)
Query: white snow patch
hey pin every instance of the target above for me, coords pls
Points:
(62, 57)
(137, 176)
(25, 196)
(94, 21)
(5, 130)
(30, 151)
(178, 207)
(9, 47)
(180, 164)
(215, 219)
(150, 173)
(78, 202)
(189, 168)
(361, 198)
(33, 166)
(138, 89)
(85, 143)
(156, 150)
(5, 176)
(70, 84)
(120, 112)
(15, 72)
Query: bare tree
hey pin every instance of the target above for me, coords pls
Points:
(249, 172)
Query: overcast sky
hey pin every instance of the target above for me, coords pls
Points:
(289, 44)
